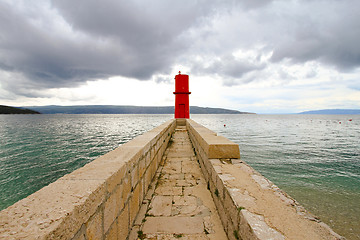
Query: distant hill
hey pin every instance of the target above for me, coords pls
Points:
(15, 110)
(333, 111)
(114, 109)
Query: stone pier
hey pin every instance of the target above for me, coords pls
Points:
(177, 181)
(179, 205)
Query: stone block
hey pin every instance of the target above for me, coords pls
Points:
(81, 234)
(122, 199)
(144, 189)
(134, 233)
(168, 190)
(147, 179)
(221, 147)
(136, 155)
(214, 146)
(123, 224)
(245, 231)
(134, 173)
(134, 203)
(111, 209)
(221, 188)
(148, 158)
(158, 159)
(214, 176)
(173, 167)
(150, 191)
(181, 122)
(141, 192)
(94, 228)
(126, 188)
(185, 200)
(219, 206)
(202, 166)
(141, 214)
(142, 167)
(208, 166)
(161, 206)
(142, 142)
(157, 146)
(112, 233)
(231, 208)
(116, 178)
(260, 228)
(241, 198)
(153, 168)
(185, 183)
(174, 225)
(232, 232)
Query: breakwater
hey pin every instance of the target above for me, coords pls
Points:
(102, 199)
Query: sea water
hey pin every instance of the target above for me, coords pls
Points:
(314, 158)
(36, 150)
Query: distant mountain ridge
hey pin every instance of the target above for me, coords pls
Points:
(333, 111)
(16, 110)
(120, 109)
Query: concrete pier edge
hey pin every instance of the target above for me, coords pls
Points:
(102, 199)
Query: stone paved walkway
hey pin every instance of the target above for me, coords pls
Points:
(179, 205)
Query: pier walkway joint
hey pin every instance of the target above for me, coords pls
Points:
(179, 204)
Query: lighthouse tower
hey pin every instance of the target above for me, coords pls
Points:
(182, 96)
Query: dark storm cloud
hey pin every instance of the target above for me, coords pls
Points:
(252, 4)
(293, 32)
(92, 39)
(231, 69)
(135, 24)
(44, 59)
(145, 35)
(324, 31)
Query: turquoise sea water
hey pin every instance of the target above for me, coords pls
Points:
(35, 150)
(314, 158)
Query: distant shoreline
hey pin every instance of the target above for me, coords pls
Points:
(333, 111)
(16, 110)
(119, 109)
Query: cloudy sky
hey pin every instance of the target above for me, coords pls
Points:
(261, 56)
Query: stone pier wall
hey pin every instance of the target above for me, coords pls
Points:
(97, 201)
(249, 205)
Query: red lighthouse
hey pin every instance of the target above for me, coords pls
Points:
(182, 96)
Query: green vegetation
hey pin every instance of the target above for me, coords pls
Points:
(14, 110)
(141, 235)
(240, 208)
(236, 235)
